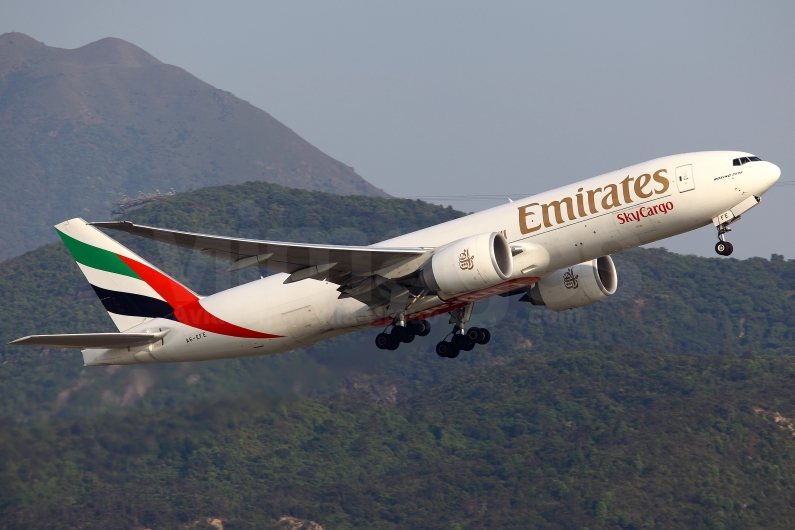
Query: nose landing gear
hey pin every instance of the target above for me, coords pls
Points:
(722, 222)
(723, 247)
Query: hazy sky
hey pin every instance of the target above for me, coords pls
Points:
(461, 98)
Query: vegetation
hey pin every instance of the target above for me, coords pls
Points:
(581, 419)
(44, 291)
(665, 303)
(600, 439)
(672, 303)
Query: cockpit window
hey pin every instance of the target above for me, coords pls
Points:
(745, 159)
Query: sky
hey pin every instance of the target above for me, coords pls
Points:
(468, 103)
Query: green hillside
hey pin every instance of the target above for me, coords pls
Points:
(600, 439)
(668, 405)
(80, 128)
(43, 291)
(665, 303)
(686, 304)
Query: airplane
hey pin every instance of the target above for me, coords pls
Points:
(552, 248)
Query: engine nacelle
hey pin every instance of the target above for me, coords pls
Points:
(469, 264)
(577, 286)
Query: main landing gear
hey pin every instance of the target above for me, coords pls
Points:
(406, 331)
(462, 341)
(723, 247)
(399, 334)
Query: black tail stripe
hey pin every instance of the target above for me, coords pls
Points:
(134, 305)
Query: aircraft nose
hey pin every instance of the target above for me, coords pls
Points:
(772, 174)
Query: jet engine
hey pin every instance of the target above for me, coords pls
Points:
(468, 264)
(577, 286)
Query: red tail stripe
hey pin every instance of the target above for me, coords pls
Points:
(187, 307)
(172, 292)
(196, 316)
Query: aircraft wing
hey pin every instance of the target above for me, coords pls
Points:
(111, 341)
(339, 263)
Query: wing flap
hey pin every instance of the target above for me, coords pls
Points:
(111, 341)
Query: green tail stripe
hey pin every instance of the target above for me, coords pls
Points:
(97, 258)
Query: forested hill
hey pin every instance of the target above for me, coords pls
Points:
(43, 291)
(80, 128)
(600, 439)
(669, 405)
(665, 303)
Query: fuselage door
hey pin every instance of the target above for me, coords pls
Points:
(684, 178)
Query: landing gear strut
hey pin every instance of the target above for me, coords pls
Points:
(723, 247)
(462, 340)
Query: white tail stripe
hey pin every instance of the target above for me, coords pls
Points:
(117, 282)
(124, 322)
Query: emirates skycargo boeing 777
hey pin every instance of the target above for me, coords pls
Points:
(553, 248)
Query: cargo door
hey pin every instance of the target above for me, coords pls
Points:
(684, 178)
(301, 322)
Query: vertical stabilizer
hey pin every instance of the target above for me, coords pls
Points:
(131, 289)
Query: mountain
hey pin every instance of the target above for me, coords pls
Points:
(605, 439)
(665, 303)
(81, 128)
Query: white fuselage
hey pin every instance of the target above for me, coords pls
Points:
(628, 210)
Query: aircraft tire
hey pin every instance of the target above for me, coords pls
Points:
(409, 338)
(724, 248)
(473, 334)
(485, 336)
(453, 353)
(426, 328)
(393, 344)
(469, 346)
(398, 334)
(443, 349)
(382, 341)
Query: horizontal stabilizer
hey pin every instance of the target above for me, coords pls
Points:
(111, 341)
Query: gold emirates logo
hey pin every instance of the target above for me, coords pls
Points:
(466, 261)
(570, 279)
(610, 198)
